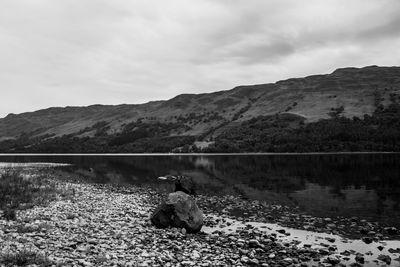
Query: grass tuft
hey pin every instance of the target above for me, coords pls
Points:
(19, 191)
(20, 228)
(10, 214)
(24, 258)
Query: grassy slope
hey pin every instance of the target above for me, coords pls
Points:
(312, 97)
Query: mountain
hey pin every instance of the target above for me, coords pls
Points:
(348, 92)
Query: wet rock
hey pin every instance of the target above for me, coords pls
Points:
(288, 260)
(331, 225)
(254, 243)
(271, 256)
(391, 230)
(333, 260)
(244, 259)
(179, 210)
(367, 240)
(324, 251)
(359, 258)
(195, 255)
(385, 258)
(392, 250)
(253, 261)
(332, 248)
(71, 216)
(345, 253)
(331, 239)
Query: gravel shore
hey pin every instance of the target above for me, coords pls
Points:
(104, 225)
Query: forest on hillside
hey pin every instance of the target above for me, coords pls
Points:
(288, 133)
(284, 132)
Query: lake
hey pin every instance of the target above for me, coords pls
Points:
(362, 185)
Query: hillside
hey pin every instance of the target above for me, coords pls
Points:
(348, 92)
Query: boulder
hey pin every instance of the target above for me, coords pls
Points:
(178, 210)
(182, 183)
(185, 184)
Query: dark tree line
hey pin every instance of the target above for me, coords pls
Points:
(288, 133)
(277, 133)
(136, 137)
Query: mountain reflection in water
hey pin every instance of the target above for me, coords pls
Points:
(364, 185)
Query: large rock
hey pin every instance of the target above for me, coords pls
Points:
(179, 210)
(182, 183)
(185, 184)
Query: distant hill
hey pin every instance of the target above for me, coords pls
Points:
(347, 92)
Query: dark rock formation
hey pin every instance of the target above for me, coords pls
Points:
(183, 183)
(179, 210)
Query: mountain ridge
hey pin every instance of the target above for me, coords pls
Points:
(314, 97)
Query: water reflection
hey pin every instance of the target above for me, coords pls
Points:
(327, 185)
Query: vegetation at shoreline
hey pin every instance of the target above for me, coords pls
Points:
(19, 191)
(25, 258)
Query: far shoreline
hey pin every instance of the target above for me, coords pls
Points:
(205, 154)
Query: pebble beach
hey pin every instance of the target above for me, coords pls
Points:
(104, 225)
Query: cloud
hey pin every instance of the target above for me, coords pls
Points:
(58, 53)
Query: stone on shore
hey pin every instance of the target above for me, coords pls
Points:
(179, 210)
(185, 184)
(182, 183)
(385, 258)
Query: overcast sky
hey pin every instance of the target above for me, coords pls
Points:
(82, 52)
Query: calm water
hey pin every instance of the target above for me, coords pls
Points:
(364, 185)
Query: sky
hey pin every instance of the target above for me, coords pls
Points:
(83, 52)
